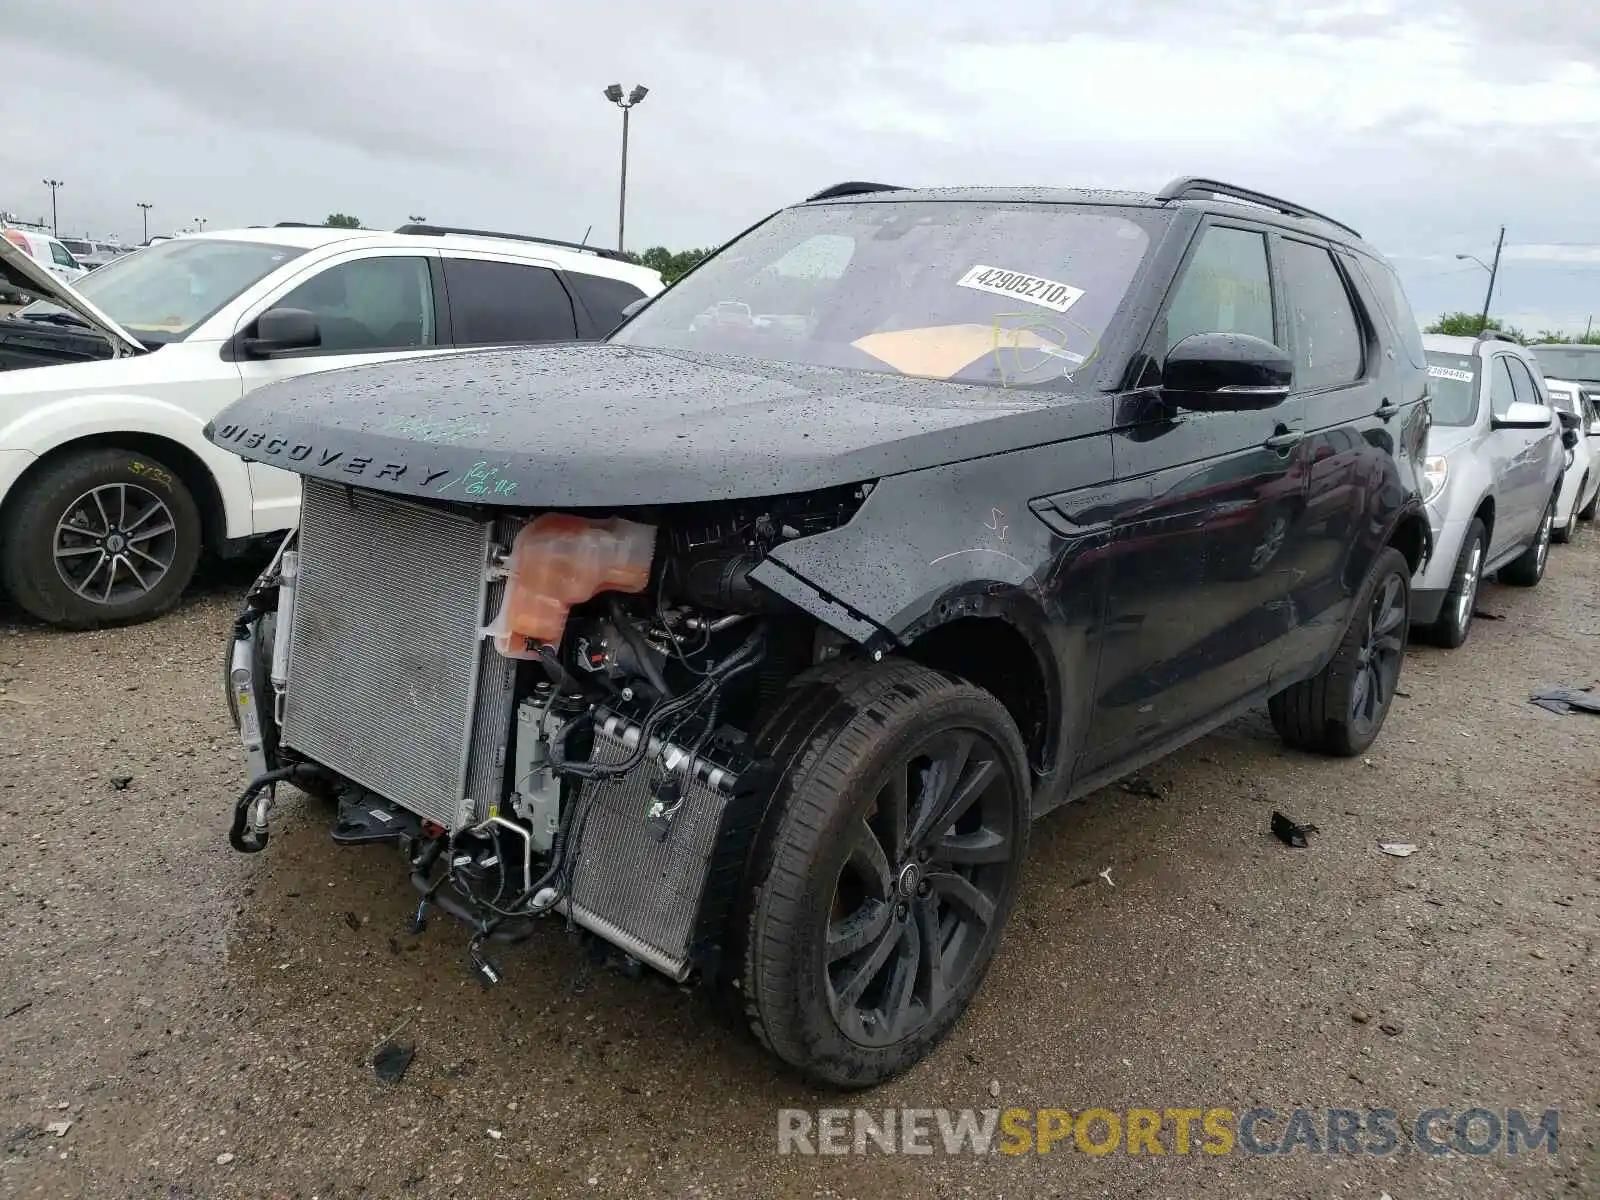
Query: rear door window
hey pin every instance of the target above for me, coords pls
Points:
(1328, 344)
(495, 303)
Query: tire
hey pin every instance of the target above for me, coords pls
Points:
(1527, 569)
(1340, 710)
(855, 1017)
(56, 511)
(1455, 615)
(1588, 511)
(1565, 533)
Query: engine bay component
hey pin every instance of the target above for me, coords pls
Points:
(656, 850)
(559, 560)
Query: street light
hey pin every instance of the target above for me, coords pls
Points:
(201, 221)
(144, 215)
(614, 94)
(53, 184)
(1494, 271)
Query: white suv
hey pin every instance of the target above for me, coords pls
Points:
(108, 489)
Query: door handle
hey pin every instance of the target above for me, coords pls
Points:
(1284, 440)
(1387, 409)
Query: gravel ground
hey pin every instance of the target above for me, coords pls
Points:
(206, 1021)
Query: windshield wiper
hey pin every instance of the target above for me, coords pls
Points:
(57, 318)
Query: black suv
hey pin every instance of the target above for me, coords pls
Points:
(751, 639)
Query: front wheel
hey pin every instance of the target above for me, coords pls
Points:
(1340, 710)
(892, 860)
(100, 537)
(1455, 615)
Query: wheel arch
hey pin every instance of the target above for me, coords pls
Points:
(194, 473)
(1413, 538)
(996, 638)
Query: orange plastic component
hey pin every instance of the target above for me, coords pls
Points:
(559, 560)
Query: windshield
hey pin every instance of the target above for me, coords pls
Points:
(1569, 362)
(1564, 399)
(78, 249)
(1452, 378)
(1018, 295)
(161, 293)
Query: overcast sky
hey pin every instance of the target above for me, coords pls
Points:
(1425, 130)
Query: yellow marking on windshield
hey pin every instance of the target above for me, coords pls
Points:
(940, 351)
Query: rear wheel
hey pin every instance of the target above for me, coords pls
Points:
(888, 870)
(1565, 532)
(1340, 710)
(101, 537)
(1455, 616)
(1528, 568)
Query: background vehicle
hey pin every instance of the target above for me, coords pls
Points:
(795, 626)
(201, 320)
(47, 251)
(1580, 483)
(1493, 471)
(91, 254)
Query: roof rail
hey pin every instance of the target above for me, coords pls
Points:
(853, 187)
(441, 230)
(1193, 188)
(1495, 335)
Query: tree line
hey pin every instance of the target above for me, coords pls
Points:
(1465, 324)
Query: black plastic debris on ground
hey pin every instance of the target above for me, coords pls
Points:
(121, 782)
(390, 1063)
(1290, 833)
(1567, 700)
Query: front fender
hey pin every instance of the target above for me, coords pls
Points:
(937, 545)
(48, 425)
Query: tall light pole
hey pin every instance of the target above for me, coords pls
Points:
(201, 221)
(144, 215)
(53, 184)
(1494, 272)
(614, 94)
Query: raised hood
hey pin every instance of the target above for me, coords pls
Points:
(20, 272)
(598, 425)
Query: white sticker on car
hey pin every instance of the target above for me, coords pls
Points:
(1018, 285)
(1450, 373)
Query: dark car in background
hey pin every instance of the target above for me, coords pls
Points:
(754, 647)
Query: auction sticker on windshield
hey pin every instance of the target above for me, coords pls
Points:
(1450, 373)
(1046, 293)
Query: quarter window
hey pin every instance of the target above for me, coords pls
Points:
(495, 303)
(1523, 387)
(1502, 386)
(1225, 288)
(604, 297)
(369, 304)
(1327, 336)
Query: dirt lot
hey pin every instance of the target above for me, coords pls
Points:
(206, 1021)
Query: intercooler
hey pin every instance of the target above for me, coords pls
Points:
(391, 683)
(660, 890)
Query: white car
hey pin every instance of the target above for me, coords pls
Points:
(108, 489)
(46, 250)
(1580, 485)
(91, 254)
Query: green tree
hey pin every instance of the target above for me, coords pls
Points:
(1465, 324)
(673, 266)
(343, 221)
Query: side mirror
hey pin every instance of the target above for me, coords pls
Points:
(1569, 438)
(1523, 416)
(1568, 420)
(1226, 372)
(1594, 429)
(633, 306)
(280, 329)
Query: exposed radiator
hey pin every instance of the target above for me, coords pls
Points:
(659, 900)
(390, 682)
